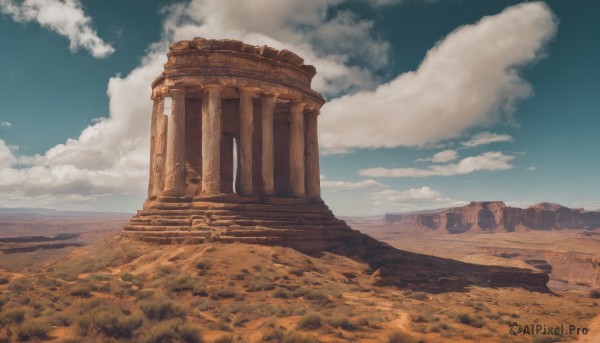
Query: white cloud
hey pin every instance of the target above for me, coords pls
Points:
(348, 185)
(423, 194)
(412, 199)
(5, 124)
(491, 161)
(487, 138)
(110, 157)
(469, 79)
(441, 157)
(7, 159)
(65, 17)
(532, 168)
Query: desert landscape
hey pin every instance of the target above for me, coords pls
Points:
(112, 289)
(389, 171)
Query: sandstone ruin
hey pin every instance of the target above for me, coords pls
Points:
(235, 156)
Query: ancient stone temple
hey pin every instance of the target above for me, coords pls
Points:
(234, 150)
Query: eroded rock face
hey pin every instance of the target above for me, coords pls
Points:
(497, 217)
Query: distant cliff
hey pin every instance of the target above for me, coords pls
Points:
(496, 216)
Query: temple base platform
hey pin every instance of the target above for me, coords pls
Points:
(300, 223)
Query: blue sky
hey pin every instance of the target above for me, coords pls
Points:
(432, 103)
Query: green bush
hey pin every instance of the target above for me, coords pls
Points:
(464, 318)
(161, 309)
(20, 285)
(342, 322)
(126, 276)
(82, 290)
(33, 329)
(144, 294)
(310, 321)
(281, 293)
(173, 330)
(402, 337)
(60, 319)
(260, 285)
(109, 320)
(202, 264)
(181, 283)
(221, 292)
(11, 316)
(117, 324)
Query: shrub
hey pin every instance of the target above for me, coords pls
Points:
(221, 293)
(402, 337)
(341, 322)
(144, 294)
(315, 294)
(464, 318)
(172, 331)
(126, 276)
(297, 271)
(117, 324)
(60, 319)
(281, 293)
(12, 316)
(310, 321)
(164, 270)
(438, 327)
(82, 290)
(20, 285)
(4, 280)
(161, 309)
(181, 283)
(261, 285)
(202, 264)
(33, 329)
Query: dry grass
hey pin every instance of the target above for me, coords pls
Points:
(229, 292)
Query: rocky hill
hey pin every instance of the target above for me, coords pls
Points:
(495, 216)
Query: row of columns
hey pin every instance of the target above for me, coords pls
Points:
(170, 157)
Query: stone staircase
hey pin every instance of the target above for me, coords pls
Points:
(233, 218)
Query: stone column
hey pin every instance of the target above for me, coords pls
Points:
(211, 141)
(245, 149)
(161, 154)
(297, 149)
(268, 156)
(157, 110)
(175, 167)
(313, 182)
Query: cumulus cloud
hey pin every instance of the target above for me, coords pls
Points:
(300, 26)
(110, 156)
(491, 161)
(422, 194)
(65, 17)
(487, 138)
(7, 159)
(348, 185)
(469, 79)
(441, 157)
(411, 200)
(5, 124)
